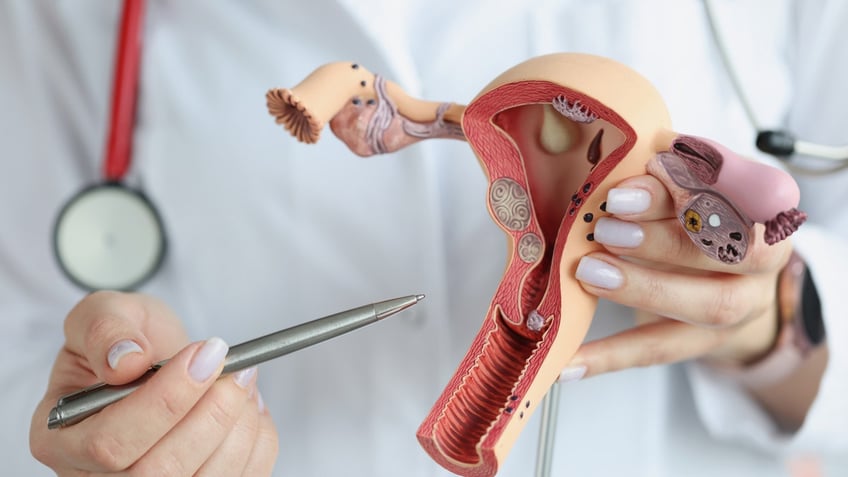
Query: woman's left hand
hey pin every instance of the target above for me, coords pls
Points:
(689, 305)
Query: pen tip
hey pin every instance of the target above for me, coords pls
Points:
(390, 307)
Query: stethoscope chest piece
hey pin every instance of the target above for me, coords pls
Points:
(109, 237)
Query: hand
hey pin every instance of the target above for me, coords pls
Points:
(688, 305)
(183, 421)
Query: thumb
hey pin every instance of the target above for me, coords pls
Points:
(118, 336)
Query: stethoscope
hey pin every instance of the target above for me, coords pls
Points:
(781, 144)
(109, 236)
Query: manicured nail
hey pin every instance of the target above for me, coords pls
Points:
(244, 376)
(260, 402)
(121, 349)
(628, 201)
(599, 273)
(207, 359)
(572, 373)
(618, 233)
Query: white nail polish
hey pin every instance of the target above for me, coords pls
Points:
(628, 201)
(121, 349)
(243, 377)
(207, 359)
(599, 273)
(260, 402)
(618, 233)
(572, 373)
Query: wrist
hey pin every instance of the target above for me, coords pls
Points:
(796, 332)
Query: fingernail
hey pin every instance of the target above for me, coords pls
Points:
(121, 349)
(207, 359)
(599, 273)
(628, 201)
(260, 402)
(618, 233)
(572, 373)
(244, 376)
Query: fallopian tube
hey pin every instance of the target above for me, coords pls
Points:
(553, 135)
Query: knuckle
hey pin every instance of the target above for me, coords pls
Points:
(97, 312)
(652, 292)
(269, 441)
(725, 309)
(106, 452)
(98, 331)
(169, 406)
(248, 424)
(679, 245)
(222, 413)
(247, 427)
(165, 464)
(653, 353)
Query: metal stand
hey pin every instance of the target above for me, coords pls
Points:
(547, 431)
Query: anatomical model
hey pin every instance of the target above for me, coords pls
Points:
(553, 135)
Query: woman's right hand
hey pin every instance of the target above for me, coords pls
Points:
(183, 421)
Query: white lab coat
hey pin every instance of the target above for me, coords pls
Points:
(265, 232)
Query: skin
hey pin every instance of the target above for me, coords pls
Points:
(689, 306)
(172, 425)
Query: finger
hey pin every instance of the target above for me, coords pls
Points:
(664, 241)
(230, 458)
(660, 342)
(712, 300)
(266, 447)
(646, 199)
(640, 198)
(202, 431)
(120, 434)
(114, 333)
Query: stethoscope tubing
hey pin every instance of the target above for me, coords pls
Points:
(780, 144)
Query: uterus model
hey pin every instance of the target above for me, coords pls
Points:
(553, 135)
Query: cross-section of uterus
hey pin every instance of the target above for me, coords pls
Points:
(552, 136)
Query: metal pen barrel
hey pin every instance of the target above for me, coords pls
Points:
(73, 408)
(274, 345)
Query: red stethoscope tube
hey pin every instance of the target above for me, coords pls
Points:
(122, 118)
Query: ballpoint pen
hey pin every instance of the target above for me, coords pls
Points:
(73, 408)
